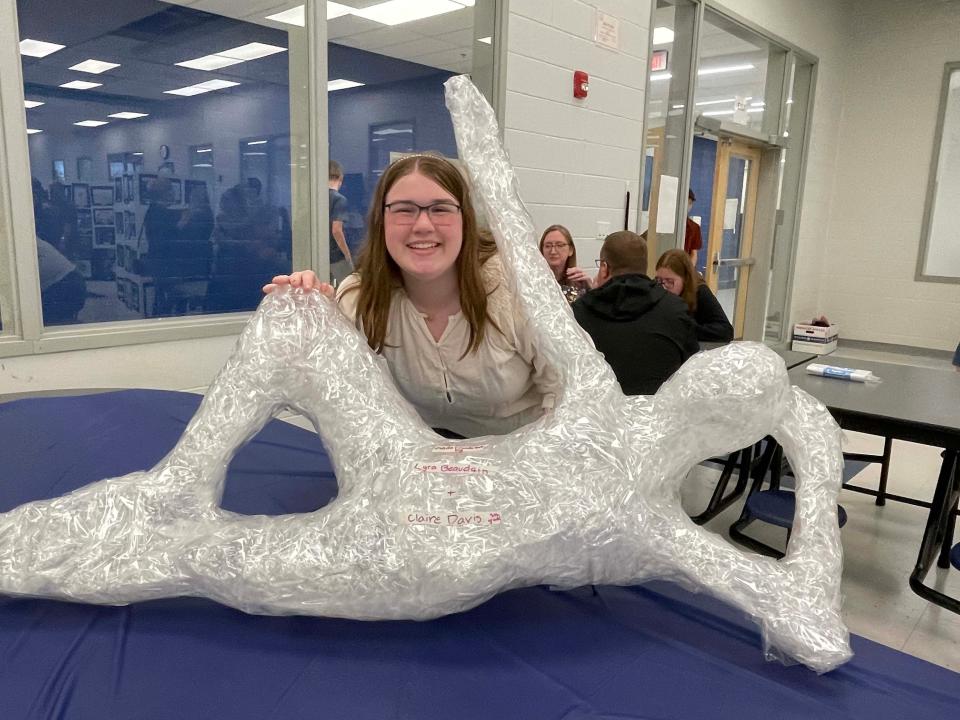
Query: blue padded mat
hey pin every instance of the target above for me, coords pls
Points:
(655, 651)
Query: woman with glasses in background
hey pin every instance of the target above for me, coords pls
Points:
(675, 272)
(430, 296)
(556, 246)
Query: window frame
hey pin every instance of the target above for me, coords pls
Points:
(19, 272)
(936, 154)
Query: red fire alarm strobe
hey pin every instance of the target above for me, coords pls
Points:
(581, 84)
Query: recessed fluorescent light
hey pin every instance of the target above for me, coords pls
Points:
(488, 40)
(662, 35)
(719, 112)
(239, 54)
(256, 142)
(31, 104)
(396, 12)
(725, 69)
(33, 131)
(335, 10)
(203, 87)
(677, 107)
(758, 104)
(200, 150)
(342, 84)
(716, 102)
(210, 62)
(94, 67)
(254, 51)
(202, 165)
(754, 109)
(80, 85)
(38, 48)
(660, 76)
(393, 131)
(293, 16)
(91, 123)
(128, 115)
(254, 153)
(137, 153)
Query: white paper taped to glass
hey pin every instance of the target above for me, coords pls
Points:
(842, 373)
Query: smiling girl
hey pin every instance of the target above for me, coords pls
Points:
(430, 296)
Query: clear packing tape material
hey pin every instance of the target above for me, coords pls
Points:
(422, 526)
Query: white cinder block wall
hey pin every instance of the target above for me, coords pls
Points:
(891, 97)
(576, 159)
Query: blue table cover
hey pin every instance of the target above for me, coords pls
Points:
(614, 653)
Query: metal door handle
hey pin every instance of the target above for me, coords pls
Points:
(732, 262)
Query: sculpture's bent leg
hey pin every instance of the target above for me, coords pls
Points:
(118, 540)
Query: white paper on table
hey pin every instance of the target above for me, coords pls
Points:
(667, 204)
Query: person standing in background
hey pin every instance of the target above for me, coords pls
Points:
(341, 262)
(692, 238)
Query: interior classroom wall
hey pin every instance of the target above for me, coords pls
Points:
(576, 159)
(891, 91)
(220, 120)
(821, 28)
(875, 111)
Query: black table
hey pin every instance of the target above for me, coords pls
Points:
(791, 358)
(916, 404)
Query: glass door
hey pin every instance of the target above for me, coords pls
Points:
(730, 239)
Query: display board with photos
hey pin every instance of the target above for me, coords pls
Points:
(133, 193)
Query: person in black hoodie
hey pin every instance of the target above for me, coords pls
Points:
(644, 332)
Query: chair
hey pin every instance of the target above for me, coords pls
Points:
(776, 505)
(721, 500)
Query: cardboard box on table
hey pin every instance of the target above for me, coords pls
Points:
(815, 339)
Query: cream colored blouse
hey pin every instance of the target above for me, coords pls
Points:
(493, 391)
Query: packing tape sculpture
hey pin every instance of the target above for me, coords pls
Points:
(423, 527)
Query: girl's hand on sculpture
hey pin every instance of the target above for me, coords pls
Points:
(304, 279)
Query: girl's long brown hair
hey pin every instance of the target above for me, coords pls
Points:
(572, 260)
(380, 275)
(678, 261)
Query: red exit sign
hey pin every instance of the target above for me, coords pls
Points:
(658, 60)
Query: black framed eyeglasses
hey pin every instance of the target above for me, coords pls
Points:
(404, 212)
(598, 261)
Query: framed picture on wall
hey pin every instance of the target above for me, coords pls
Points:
(115, 165)
(85, 168)
(386, 138)
(59, 171)
(81, 195)
(103, 216)
(101, 195)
